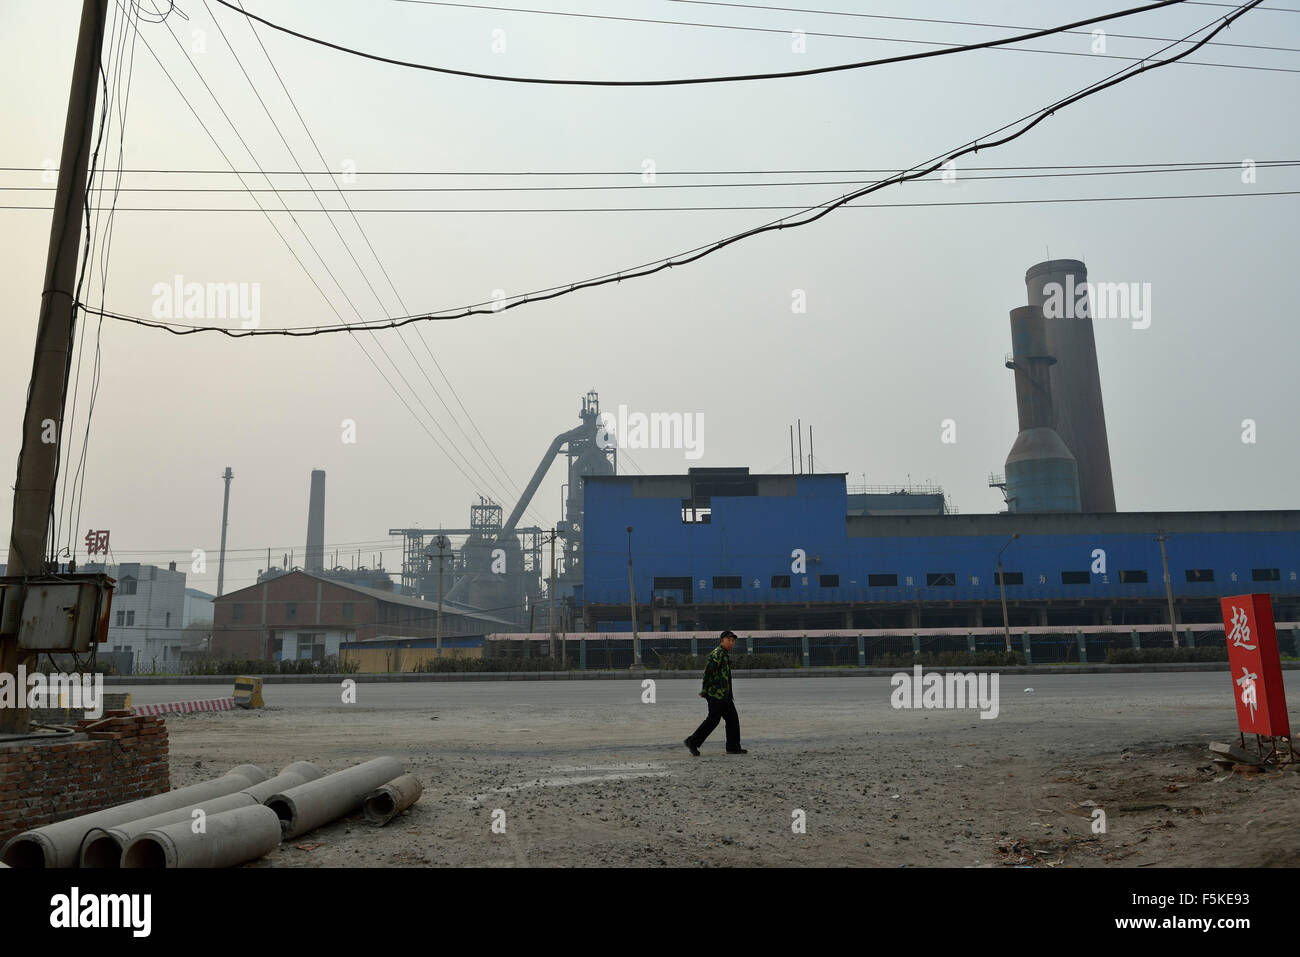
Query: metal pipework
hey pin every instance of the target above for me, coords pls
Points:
(389, 800)
(229, 838)
(309, 806)
(103, 846)
(59, 844)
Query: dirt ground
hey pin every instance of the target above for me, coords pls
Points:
(954, 795)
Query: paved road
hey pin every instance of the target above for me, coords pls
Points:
(1169, 688)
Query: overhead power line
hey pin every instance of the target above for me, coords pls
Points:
(942, 22)
(660, 172)
(877, 39)
(811, 215)
(294, 252)
(860, 65)
(479, 480)
(965, 177)
(682, 209)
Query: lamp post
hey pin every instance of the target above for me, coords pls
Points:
(631, 591)
(1002, 584)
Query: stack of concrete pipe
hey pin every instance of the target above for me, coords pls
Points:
(59, 844)
(105, 846)
(244, 816)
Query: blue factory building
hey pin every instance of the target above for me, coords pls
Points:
(721, 548)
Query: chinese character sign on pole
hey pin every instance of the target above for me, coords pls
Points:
(1256, 668)
(96, 542)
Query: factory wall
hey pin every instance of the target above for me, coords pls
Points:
(742, 552)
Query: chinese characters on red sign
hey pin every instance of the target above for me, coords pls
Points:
(1256, 668)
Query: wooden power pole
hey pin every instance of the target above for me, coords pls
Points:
(43, 417)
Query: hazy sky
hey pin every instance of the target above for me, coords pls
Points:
(906, 320)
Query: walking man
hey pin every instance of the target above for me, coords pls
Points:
(717, 692)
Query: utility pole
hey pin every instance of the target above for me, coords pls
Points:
(442, 544)
(1006, 628)
(225, 514)
(550, 594)
(38, 458)
(1169, 588)
(631, 592)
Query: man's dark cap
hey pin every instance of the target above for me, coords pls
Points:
(726, 634)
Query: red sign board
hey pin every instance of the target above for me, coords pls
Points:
(1256, 668)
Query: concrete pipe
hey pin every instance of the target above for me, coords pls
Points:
(300, 772)
(103, 846)
(59, 844)
(311, 805)
(229, 838)
(389, 800)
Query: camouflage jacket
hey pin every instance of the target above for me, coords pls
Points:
(717, 675)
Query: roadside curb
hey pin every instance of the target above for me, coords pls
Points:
(186, 707)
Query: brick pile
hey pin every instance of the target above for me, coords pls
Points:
(108, 761)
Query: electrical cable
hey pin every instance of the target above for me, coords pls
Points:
(811, 215)
(1262, 164)
(419, 332)
(283, 239)
(661, 209)
(863, 64)
(638, 173)
(347, 248)
(880, 16)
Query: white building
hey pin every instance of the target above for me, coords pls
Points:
(148, 614)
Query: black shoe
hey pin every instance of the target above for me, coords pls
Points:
(694, 750)
(737, 751)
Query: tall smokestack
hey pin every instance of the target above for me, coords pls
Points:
(1059, 288)
(315, 561)
(1042, 475)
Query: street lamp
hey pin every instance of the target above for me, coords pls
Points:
(1002, 583)
(631, 591)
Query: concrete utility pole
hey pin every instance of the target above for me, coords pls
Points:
(631, 590)
(1169, 588)
(442, 544)
(550, 594)
(43, 417)
(225, 513)
(1006, 628)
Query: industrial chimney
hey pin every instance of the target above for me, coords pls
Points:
(1042, 475)
(1059, 288)
(315, 561)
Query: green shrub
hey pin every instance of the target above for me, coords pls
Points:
(746, 662)
(1136, 656)
(251, 666)
(981, 659)
(500, 663)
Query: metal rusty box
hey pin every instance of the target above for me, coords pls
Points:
(60, 613)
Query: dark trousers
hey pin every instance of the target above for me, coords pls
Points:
(719, 711)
